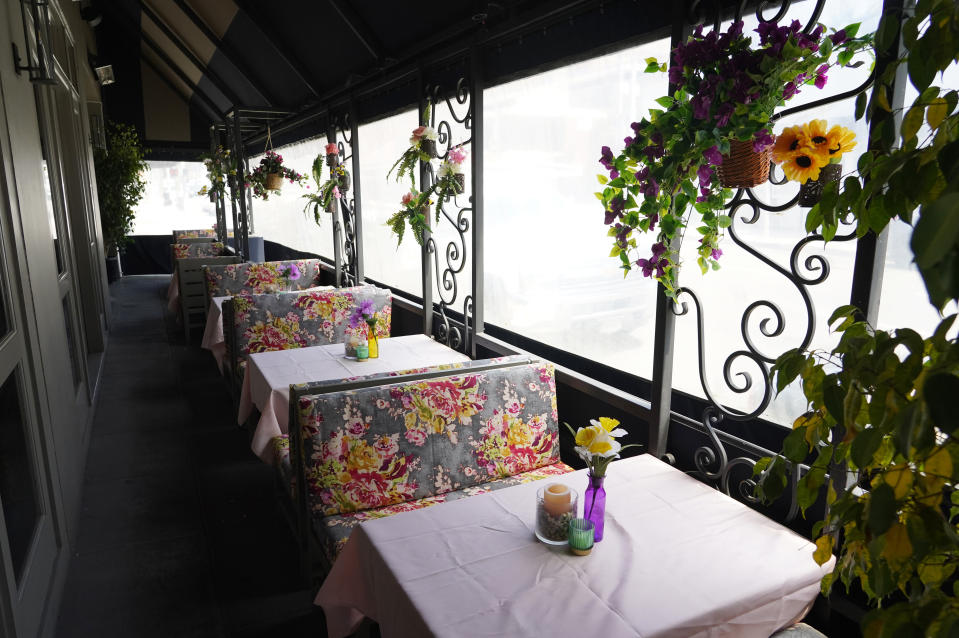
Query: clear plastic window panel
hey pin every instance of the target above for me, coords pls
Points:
(171, 200)
(548, 274)
(381, 143)
(282, 218)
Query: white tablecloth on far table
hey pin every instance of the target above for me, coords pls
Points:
(266, 383)
(213, 331)
(678, 559)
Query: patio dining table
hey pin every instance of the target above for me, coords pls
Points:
(266, 383)
(678, 559)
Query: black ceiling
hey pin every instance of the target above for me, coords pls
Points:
(303, 55)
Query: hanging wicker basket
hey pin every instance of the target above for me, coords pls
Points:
(743, 167)
(332, 159)
(343, 181)
(459, 179)
(331, 205)
(811, 192)
(274, 181)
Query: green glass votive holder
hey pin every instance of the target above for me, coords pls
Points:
(581, 536)
(362, 352)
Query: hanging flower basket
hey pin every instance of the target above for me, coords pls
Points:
(274, 181)
(331, 206)
(459, 179)
(811, 192)
(743, 167)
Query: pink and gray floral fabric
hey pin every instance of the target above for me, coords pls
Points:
(377, 451)
(255, 279)
(193, 234)
(263, 323)
(205, 249)
(379, 446)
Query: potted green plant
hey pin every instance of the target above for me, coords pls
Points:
(881, 404)
(119, 171)
(726, 91)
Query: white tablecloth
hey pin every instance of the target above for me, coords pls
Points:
(266, 383)
(678, 559)
(213, 339)
(213, 331)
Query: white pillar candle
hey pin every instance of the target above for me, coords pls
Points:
(556, 498)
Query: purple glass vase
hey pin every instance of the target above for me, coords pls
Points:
(594, 505)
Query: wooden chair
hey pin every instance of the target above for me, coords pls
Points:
(193, 289)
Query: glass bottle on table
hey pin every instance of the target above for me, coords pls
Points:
(371, 339)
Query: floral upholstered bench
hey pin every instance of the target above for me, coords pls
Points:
(198, 249)
(283, 321)
(256, 279)
(417, 441)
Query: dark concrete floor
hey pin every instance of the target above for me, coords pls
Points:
(179, 533)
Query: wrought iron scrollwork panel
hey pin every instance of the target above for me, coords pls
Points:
(745, 370)
(451, 116)
(345, 229)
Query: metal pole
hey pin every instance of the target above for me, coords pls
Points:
(357, 193)
(665, 326)
(240, 195)
(476, 166)
(426, 262)
(337, 227)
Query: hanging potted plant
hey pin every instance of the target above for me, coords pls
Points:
(810, 154)
(332, 154)
(219, 166)
(269, 175)
(726, 91)
(450, 173)
(422, 147)
(414, 211)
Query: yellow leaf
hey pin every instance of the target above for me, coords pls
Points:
(937, 112)
(823, 549)
(939, 464)
(830, 494)
(881, 98)
(898, 548)
(934, 570)
(930, 487)
(900, 479)
(615, 251)
(804, 420)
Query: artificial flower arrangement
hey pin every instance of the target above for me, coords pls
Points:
(726, 91)
(332, 152)
(269, 175)
(219, 165)
(329, 191)
(450, 181)
(365, 312)
(289, 273)
(810, 154)
(415, 208)
(596, 444)
(422, 147)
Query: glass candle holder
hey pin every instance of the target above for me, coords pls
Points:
(362, 352)
(581, 536)
(555, 508)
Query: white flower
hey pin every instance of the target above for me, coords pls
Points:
(446, 168)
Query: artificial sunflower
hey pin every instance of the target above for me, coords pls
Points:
(804, 164)
(840, 140)
(788, 143)
(815, 134)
